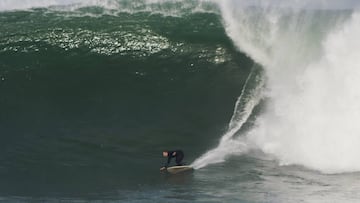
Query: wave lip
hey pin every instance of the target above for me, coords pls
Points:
(113, 7)
(7, 5)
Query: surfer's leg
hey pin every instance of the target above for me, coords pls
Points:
(179, 158)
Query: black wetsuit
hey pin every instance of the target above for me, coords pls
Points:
(179, 155)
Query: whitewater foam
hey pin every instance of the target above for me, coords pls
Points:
(317, 124)
(311, 59)
(314, 99)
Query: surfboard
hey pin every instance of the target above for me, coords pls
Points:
(178, 169)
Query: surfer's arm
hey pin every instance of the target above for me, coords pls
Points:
(169, 159)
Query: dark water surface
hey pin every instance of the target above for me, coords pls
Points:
(81, 115)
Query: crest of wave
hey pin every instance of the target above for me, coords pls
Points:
(173, 7)
(28, 4)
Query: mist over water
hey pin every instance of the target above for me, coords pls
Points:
(311, 61)
(312, 115)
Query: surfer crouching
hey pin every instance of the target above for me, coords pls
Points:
(178, 154)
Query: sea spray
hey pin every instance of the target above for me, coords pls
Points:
(310, 58)
(311, 65)
(316, 124)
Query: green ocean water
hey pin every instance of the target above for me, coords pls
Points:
(88, 103)
(91, 96)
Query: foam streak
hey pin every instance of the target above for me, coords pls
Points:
(229, 145)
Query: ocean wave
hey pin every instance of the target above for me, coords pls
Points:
(294, 45)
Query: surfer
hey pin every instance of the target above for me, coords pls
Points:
(178, 154)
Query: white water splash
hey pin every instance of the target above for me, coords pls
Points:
(315, 123)
(312, 63)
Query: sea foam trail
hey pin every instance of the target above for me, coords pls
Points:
(312, 65)
(230, 144)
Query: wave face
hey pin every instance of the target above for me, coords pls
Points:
(91, 95)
